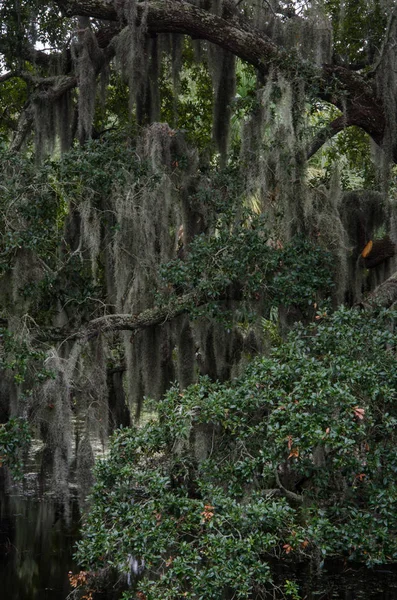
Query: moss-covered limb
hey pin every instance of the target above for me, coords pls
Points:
(356, 96)
(384, 296)
(352, 92)
(125, 322)
(181, 17)
(325, 134)
(24, 127)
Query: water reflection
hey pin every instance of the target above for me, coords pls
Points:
(340, 580)
(36, 547)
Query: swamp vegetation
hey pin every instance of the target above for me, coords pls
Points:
(198, 285)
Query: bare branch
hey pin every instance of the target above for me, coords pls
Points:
(287, 493)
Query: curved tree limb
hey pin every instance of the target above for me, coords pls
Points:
(385, 295)
(125, 322)
(353, 93)
(326, 134)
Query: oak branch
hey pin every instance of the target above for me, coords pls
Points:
(352, 92)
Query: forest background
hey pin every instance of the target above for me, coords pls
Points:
(197, 245)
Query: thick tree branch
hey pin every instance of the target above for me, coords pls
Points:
(383, 296)
(326, 134)
(181, 17)
(355, 95)
(351, 92)
(125, 322)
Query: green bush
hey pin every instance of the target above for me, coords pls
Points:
(298, 462)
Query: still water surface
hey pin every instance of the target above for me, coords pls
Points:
(36, 547)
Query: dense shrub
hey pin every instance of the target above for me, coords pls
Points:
(294, 459)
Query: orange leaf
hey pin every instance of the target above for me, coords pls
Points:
(367, 249)
(359, 412)
(288, 548)
(294, 453)
(322, 316)
(207, 513)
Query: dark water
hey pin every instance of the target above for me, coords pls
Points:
(346, 581)
(36, 547)
(337, 579)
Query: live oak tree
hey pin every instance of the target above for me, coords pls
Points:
(60, 59)
(245, 148)
(355, 75)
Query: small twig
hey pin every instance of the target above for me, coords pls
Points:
(290, 495)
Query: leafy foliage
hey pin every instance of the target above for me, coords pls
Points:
(298, 460)
(15, 438)
(293, 459)
(24, 362)
(243, 261)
